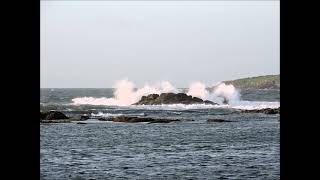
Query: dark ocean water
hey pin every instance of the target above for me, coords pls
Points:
(192, 149)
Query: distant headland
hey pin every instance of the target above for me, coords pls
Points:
(258, 82)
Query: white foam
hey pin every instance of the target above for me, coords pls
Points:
(253, 105)
(227, 92)
(125, 95)
(174, 106)
(92, 121)
(239, 105)
(220, 93)
(97, 101)
(101, 114)
(198, 89)
(235, 105)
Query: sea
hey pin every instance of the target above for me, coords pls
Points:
(247, 148)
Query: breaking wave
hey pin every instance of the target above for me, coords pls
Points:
(239, 105)
(125, 93)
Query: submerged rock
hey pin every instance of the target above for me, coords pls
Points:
(80, 118)
(52, 115)
(134, 119)
(84, 117)
(218, 120)
(164, 120)
(170, 98)
(56, 121)
(59, 117)
(265, 110)
(81, 123)
(104, 119)
(42, 115)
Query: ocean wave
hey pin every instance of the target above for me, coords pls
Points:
(97, 101)
(174, 106)
(125, 93)
(101, 114)
(245, 105)
(235, 105)
(249, 105)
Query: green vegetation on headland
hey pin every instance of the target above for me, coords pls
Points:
(259, 82)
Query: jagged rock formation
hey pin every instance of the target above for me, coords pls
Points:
(134, 119)
(171, 98)
(59, 117)
(266, 111)
(52, 115)
(218, 120)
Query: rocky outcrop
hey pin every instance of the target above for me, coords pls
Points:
(59, 117)
(52, 115)
(265, 111)
(80, 118)
(134, 119)
(81, 123)
(56, 121)
(217, 120)
(170, 98)
(164, 120)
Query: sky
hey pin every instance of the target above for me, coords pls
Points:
(92, 44)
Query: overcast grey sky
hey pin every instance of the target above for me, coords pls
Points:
(92, 44)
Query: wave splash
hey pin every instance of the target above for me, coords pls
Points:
(220, 93)
(126, 93)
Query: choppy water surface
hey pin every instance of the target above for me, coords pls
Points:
(192, 149)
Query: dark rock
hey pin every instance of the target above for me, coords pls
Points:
(133, 119)
(56, 121)
(84, 117)
(43, 115)
(225, 101)
(55, 115)
(163, 120)
(130, 119)
(218, 120)
(265, 110)
(195, 99)
(81, 123)
(149, 97)
(104, 119)
(79, 118)
(272, 111)
(170, 98)
(209, 102)
(52, 115)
